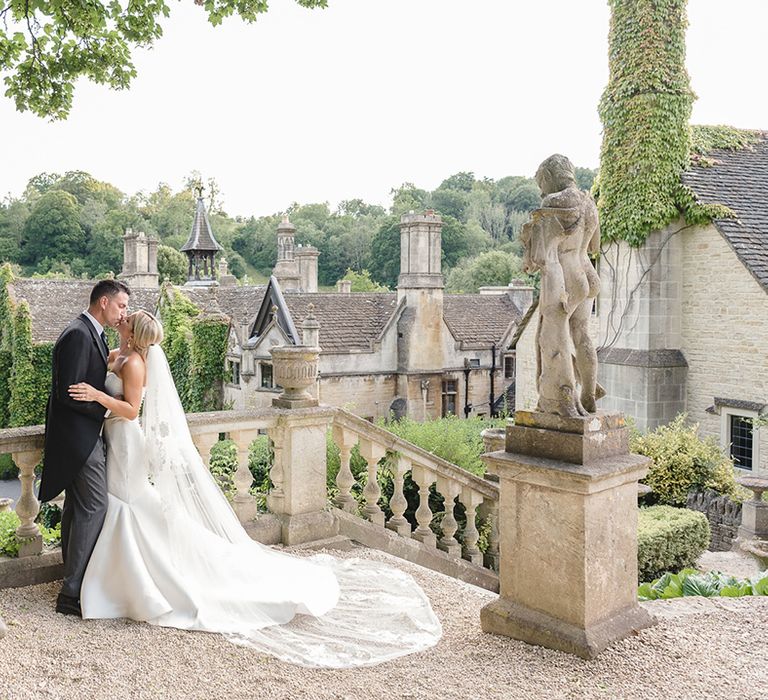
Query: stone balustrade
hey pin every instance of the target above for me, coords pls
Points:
(297, 501)
(478, 496)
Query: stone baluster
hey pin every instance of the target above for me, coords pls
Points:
(471, 500)
(345, 480)
(244, 503)
(3, 628)
(372, 452)
(204, 442)
(397, 503)
(423, 478)
(490, 510)
(449, 489)
(276, 494)
(28, 506)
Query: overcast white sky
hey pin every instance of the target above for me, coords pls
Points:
(325, 105)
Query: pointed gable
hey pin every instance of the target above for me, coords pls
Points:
(273, 299)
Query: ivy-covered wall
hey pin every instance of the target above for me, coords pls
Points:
(6, 343)
(647, 140)
(207, 364)
(195, 346)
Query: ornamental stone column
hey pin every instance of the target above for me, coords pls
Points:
(300, 456)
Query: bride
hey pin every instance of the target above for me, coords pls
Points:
(173, 553)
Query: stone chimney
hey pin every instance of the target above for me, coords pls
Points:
(225, 279)
(306, 257)
(344, 286)
(310, 330)
(287, 269)
(421, 284)
(139, 260)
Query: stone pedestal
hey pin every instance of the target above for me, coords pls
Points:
(568, 533)
(299, 496)
(754, 513)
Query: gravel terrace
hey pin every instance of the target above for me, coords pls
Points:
(700, 648)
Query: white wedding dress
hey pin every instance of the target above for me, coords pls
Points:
(172, 553)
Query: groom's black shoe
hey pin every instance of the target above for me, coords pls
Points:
(67, 605)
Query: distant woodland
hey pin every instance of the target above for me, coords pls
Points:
(71, 226)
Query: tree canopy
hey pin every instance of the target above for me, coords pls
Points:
(72, 225)
(46, 46)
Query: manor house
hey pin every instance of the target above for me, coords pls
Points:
(415, 352)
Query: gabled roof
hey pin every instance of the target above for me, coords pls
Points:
(54, 303)
(739, 179)
(201, 237)
(348, 322)
(355, 322)
(480, 320)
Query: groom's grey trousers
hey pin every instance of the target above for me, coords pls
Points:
(85, 505)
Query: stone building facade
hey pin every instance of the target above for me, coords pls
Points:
(416, 351)
(682, 322)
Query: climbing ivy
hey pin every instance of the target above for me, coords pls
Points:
(178, 312)
(647, 141)
(645, 110)
(196, 349)
(705, 139)
(207, 363)
(6, 343)
(23, 408)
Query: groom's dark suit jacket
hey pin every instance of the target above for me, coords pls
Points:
(72, 427)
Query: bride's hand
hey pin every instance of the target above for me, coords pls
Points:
(83, 392)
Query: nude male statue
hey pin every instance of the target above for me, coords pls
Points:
(558, 241)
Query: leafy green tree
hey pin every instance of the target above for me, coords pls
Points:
(463, 181)
(453, 203)
(46, 46)
(525, 197)
(407, 198)
(362, 282)
(172, 265)
(13, 217)
(385, 252)
(585, 177)
(53, 226)
(495, 268)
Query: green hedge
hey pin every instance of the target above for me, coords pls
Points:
(669, 539)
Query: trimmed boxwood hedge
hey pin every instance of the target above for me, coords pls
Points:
(669, 539)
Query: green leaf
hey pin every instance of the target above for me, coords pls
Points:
(646, 592)
(700, 585)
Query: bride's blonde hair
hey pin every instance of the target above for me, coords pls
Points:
(146, 331)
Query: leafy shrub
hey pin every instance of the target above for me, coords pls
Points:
(683, 461)
(669, 539)
(9, 544)
(223, 465)
(690, 582)
(454, 439)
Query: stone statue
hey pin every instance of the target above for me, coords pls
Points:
(557, 241)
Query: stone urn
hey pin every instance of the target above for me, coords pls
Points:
(295, 369)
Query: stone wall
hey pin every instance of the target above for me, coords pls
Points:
(725, 334)
(723, 514)
(640, 328)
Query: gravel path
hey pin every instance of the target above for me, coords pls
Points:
(713, 649)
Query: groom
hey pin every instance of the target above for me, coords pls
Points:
(74, 458)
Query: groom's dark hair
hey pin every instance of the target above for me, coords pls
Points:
(108, 288)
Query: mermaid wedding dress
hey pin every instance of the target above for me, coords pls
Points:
(173, 553)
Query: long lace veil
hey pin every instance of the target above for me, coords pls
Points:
(365, 612)
(184, 483)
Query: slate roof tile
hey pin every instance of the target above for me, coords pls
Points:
(739, 179)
